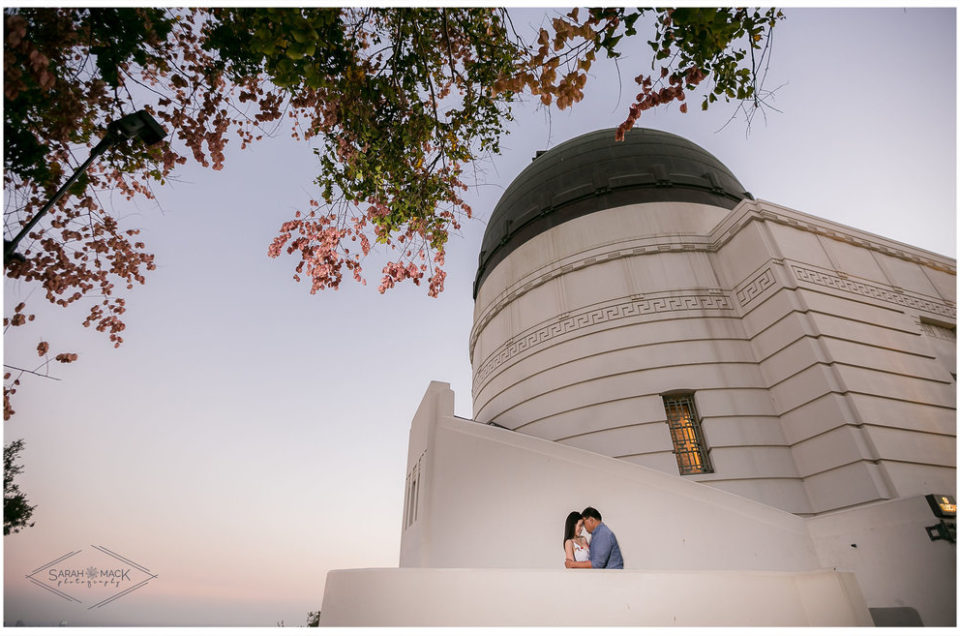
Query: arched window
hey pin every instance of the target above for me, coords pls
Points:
(688, 444)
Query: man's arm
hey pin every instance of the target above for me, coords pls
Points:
(600, 548)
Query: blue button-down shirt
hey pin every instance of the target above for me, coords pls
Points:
(604, 549)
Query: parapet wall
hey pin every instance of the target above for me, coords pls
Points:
(493, 597)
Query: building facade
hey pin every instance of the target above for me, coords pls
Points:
(737, 386)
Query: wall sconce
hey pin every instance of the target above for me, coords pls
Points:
(944, 507)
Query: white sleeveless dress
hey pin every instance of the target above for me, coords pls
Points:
(580, 554)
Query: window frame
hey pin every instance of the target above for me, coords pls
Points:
(690, 447)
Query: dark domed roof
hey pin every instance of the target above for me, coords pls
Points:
(595, 172)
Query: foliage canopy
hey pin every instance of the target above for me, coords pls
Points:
(399, 101)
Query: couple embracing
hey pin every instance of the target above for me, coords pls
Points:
(602, 551)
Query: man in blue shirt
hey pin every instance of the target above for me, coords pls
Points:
(604, 549)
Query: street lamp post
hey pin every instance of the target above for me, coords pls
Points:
(140, 125)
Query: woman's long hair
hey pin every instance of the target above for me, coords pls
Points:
(570, 527)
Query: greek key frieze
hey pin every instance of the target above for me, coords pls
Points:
(824, 279)
(755, 287)
(597, 316)
(547, 276)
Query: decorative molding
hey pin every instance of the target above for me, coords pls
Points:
(615, 253)
(617, 310)
(755, 287)
(738, 219)
(833, 281)
(766, 211)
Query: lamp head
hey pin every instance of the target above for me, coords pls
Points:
(140, 125)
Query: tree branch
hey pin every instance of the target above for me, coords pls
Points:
(41, 375)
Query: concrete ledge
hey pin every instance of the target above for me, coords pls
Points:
(525, 597)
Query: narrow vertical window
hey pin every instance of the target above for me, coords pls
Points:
(412, 497)
(688, 444)
(413, 484)
(416, 495)
(406, 504)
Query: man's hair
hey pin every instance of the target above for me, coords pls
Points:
(592, 512)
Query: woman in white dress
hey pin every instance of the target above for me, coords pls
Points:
(575, 545)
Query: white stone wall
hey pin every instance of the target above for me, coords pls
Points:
(491, 498)
(867, 407)
(820, 356)
(563, 598)
(885, 545)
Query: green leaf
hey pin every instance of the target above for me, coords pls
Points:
(303, 36)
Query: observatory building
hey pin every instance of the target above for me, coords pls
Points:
(760, 402)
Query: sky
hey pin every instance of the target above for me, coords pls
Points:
(248, 437)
